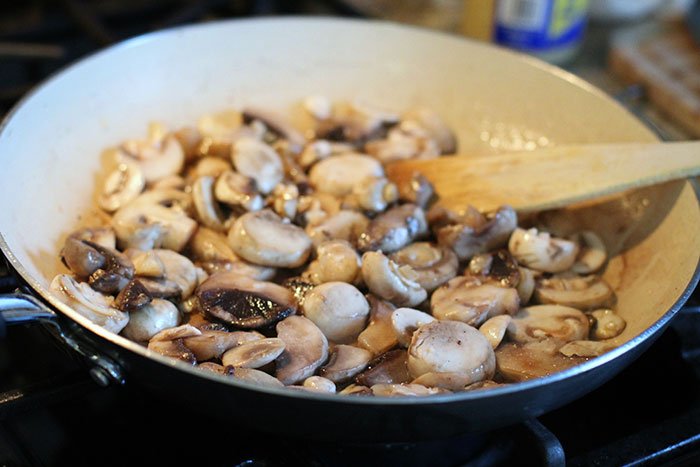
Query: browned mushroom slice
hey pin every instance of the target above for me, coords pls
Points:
(174, 348)
(274, 123)
(433, 265)
(103, 236)
(161, 288)
(133, 296)
(306, 349)
(379, 336)
(180, 270)
(541, 251)
(81, 258)
(499, 266)
(216, 368)
(254, 354)
(607, 324)
(469, 238)
(389, 368)
(469, 300)
(536, 323)
(584, 293)
(212, 343)
(494, 329)
(521, 362)
(418, 190)
(114, 274)
(146, 263)
(405, 321)
(394, 229)
(390, 281)
(345, 362)
(244, 302)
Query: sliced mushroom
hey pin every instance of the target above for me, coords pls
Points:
(379, 336)
(592, 254)
(451, 347)
(336, 261)
(103, 236)
(526, 284)
(498, 266)
(319, 384)
(81, 258)
(343, 225)
(133, 297)
(417, 190)
(221, 126)
(518, 362)
(285, 199)
(471, 301)
(215, 367)
(161, 288)
(389, 368)
(89, 303)
(584, 293)
(315, 151)
(356, 123)
(375, 194)
(540, 251)
(207, 209)
(338, 175)
(146, 263)
(433, 265)
(345, 362)
(391, 282)
(114, 274)
(212, 344)
(259, 161)
(251, 375)
(338, 309)
(243, 302)
(174, 349)
(210, 167)
(486, 384)
(586, 348)
(238, 191)
(121, 187)
(306, 349)
(404, 141)
(450, 381)
(253, 354)
(494, 329)
(608, 324)
(436, 128)
(179, 332)
(356, 390)
(540, 322)
(173, 182)
(264, 238)
(406, 321)
(180, 270)
(156, 160)
(319, 107)
(470, 237)
(406, 389)
(151, 319)
(275, 123)
(394, 229)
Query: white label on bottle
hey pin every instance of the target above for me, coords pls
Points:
(522, 14)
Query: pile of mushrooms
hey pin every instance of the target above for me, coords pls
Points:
(248, 248)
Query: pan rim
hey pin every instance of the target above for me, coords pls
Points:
(129, 345)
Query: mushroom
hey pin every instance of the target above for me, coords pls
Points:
(253, 354)
(435, 127)
(89, 303)
(318, 107)
(394, 229)
(174, 349)
(607, 325)
(156, 159)
(498, 266)
(540, 322)
(275, 124)
(180, 270)
(336, 261)
(379, 336)
(592, 254)
(215, 367)
(161, 288)
(338, 175)
(207, 209)
(238, 191)
(355, 123)
(212, 344)
(417, 190)
(121, 187)
(471, 301)
(133, 297)
(584, 293)
(151, 319)
(391, 282)
(540, 251)
(81, 258)
(526, 284)
(586, 348)
(306, 349)
(486, 384)
(389, 368)
(494, 329)
(264, 238)
(251, 375)
(451, 347)
(173, 182)
(412, 389)
(315, 151)
(345, 362)
(450, 381)
(146, 263)
(475, 235)
(517, 362)
(404, 141)
(338, 309)
(221, 127)
(405, 321)
(244, 302)
(179, 332)
(374, 194)
(344, 225)
(356, 390)
(319, 384)
(433, 265)
(285, 200)
(255, 159)
(103, 236)
(210, 166)
(116, 271)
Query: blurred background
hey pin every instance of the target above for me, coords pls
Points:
(643, 52)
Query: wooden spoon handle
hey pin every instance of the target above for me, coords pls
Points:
(551, 177)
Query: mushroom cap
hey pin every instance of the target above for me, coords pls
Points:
(336, 261)
(584, 293)
(339, 174)
(258, 161)
(244, 302)
(406, 321)
(263, 238)
(394, 229)
(121, 187)
(212, 344)
(386, 279)
(237, 190)
(253, 354)
(81, 258)
(344, 225)
(451, 347)
(541, 251)
(306, 349)
(151, 319)
(319, 384)
(180, 270)
(338, 309)
(540, 322)
(475, 234)
(592, 254)
(433, 265)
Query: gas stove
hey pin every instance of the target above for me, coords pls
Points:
(53, 413)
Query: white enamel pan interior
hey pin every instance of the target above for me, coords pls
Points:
(496, 100)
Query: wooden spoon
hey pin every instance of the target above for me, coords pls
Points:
(551, 177)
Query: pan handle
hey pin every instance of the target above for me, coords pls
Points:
(19, 308)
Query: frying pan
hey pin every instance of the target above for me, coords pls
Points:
(496, 100)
